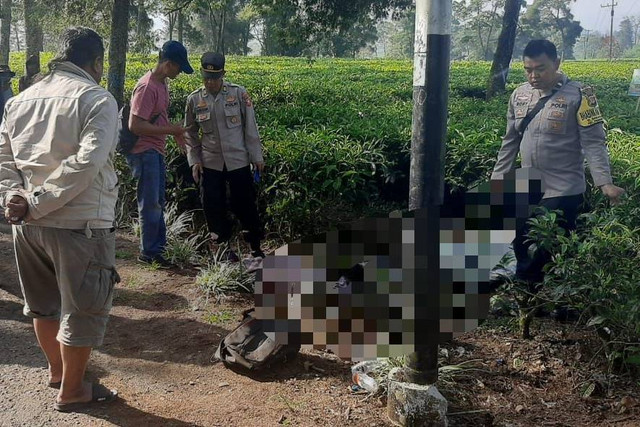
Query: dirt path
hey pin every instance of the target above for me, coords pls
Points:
(158, 354)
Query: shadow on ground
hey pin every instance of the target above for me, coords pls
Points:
(158, 301)
(121, 414)
(161, 339)
(11, 310)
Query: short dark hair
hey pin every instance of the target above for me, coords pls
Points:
(81, 46)
(161, 57)
(538, 47)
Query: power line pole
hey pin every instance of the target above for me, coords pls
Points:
(584, 43)
(612, 6)
(430, 97)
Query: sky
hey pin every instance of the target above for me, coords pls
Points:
(594, 17)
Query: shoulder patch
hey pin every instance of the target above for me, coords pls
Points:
(247, 99)
(589, 111)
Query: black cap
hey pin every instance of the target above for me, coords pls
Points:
(177, 53)
(212, 65)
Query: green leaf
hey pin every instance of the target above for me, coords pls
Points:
(597, 320)
(589, 390)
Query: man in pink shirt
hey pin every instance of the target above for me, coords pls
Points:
(149, 120)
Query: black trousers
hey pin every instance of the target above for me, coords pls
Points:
(530, 268)
(243, 204)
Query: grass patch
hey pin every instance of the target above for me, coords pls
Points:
(218, 317)
(125, 255)
(217, 279)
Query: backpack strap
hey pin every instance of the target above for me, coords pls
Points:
(534, 112)
(539, 106)
(153, 119)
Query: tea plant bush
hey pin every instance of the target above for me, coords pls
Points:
(337, 135)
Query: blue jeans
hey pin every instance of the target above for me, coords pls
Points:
(148, 169)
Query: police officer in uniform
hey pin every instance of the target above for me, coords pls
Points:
(554, 123)
(222, 143)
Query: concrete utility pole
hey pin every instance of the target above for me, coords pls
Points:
(612, 6)
(426, 186)
(584, 43)
(413, 400)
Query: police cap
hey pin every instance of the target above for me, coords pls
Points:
(212, 65)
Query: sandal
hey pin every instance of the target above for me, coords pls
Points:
(99, 394)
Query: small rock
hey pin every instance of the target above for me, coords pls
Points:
(223, 384)
(192, 383)
(519, 408)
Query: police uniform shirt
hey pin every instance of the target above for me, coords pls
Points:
(557, 140)
(222, 128)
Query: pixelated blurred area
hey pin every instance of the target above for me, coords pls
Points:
(353, 291)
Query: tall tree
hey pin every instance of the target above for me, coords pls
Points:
(553, 20)
(143, 41)
(635, 23)
(247, 19)
(33, 28)
(347, 42)
(625, 35)
(288, 25)
(589, 45)
(475, 27)
(5, 31)
(504, 51)
(118, 49)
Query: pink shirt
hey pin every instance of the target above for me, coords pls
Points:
(150, 98)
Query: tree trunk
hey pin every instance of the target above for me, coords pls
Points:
(118, 49)
(17, 35)
(5, 31)
(212, 25)
(486, 48)
(504, 50)
(223, 16)
(33, 31)
(245, 39)
(140, 28)
(180, 25)
(172, 24)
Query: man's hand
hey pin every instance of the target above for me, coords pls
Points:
(196, 172)
(613, 193)
(182, 143)
(16, 210)
(259, 166)
(178, 130)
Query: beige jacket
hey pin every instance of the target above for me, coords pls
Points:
(222, 129)
(566, 131)
(57, 141)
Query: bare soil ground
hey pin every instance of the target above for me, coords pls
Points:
(162, 335)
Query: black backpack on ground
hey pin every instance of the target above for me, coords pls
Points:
(247, 346)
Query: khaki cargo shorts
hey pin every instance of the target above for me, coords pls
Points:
(68, 276)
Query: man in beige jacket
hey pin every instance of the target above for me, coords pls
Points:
(59, 189)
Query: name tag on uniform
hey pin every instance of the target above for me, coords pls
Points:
(203, 116)
(520, 113)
